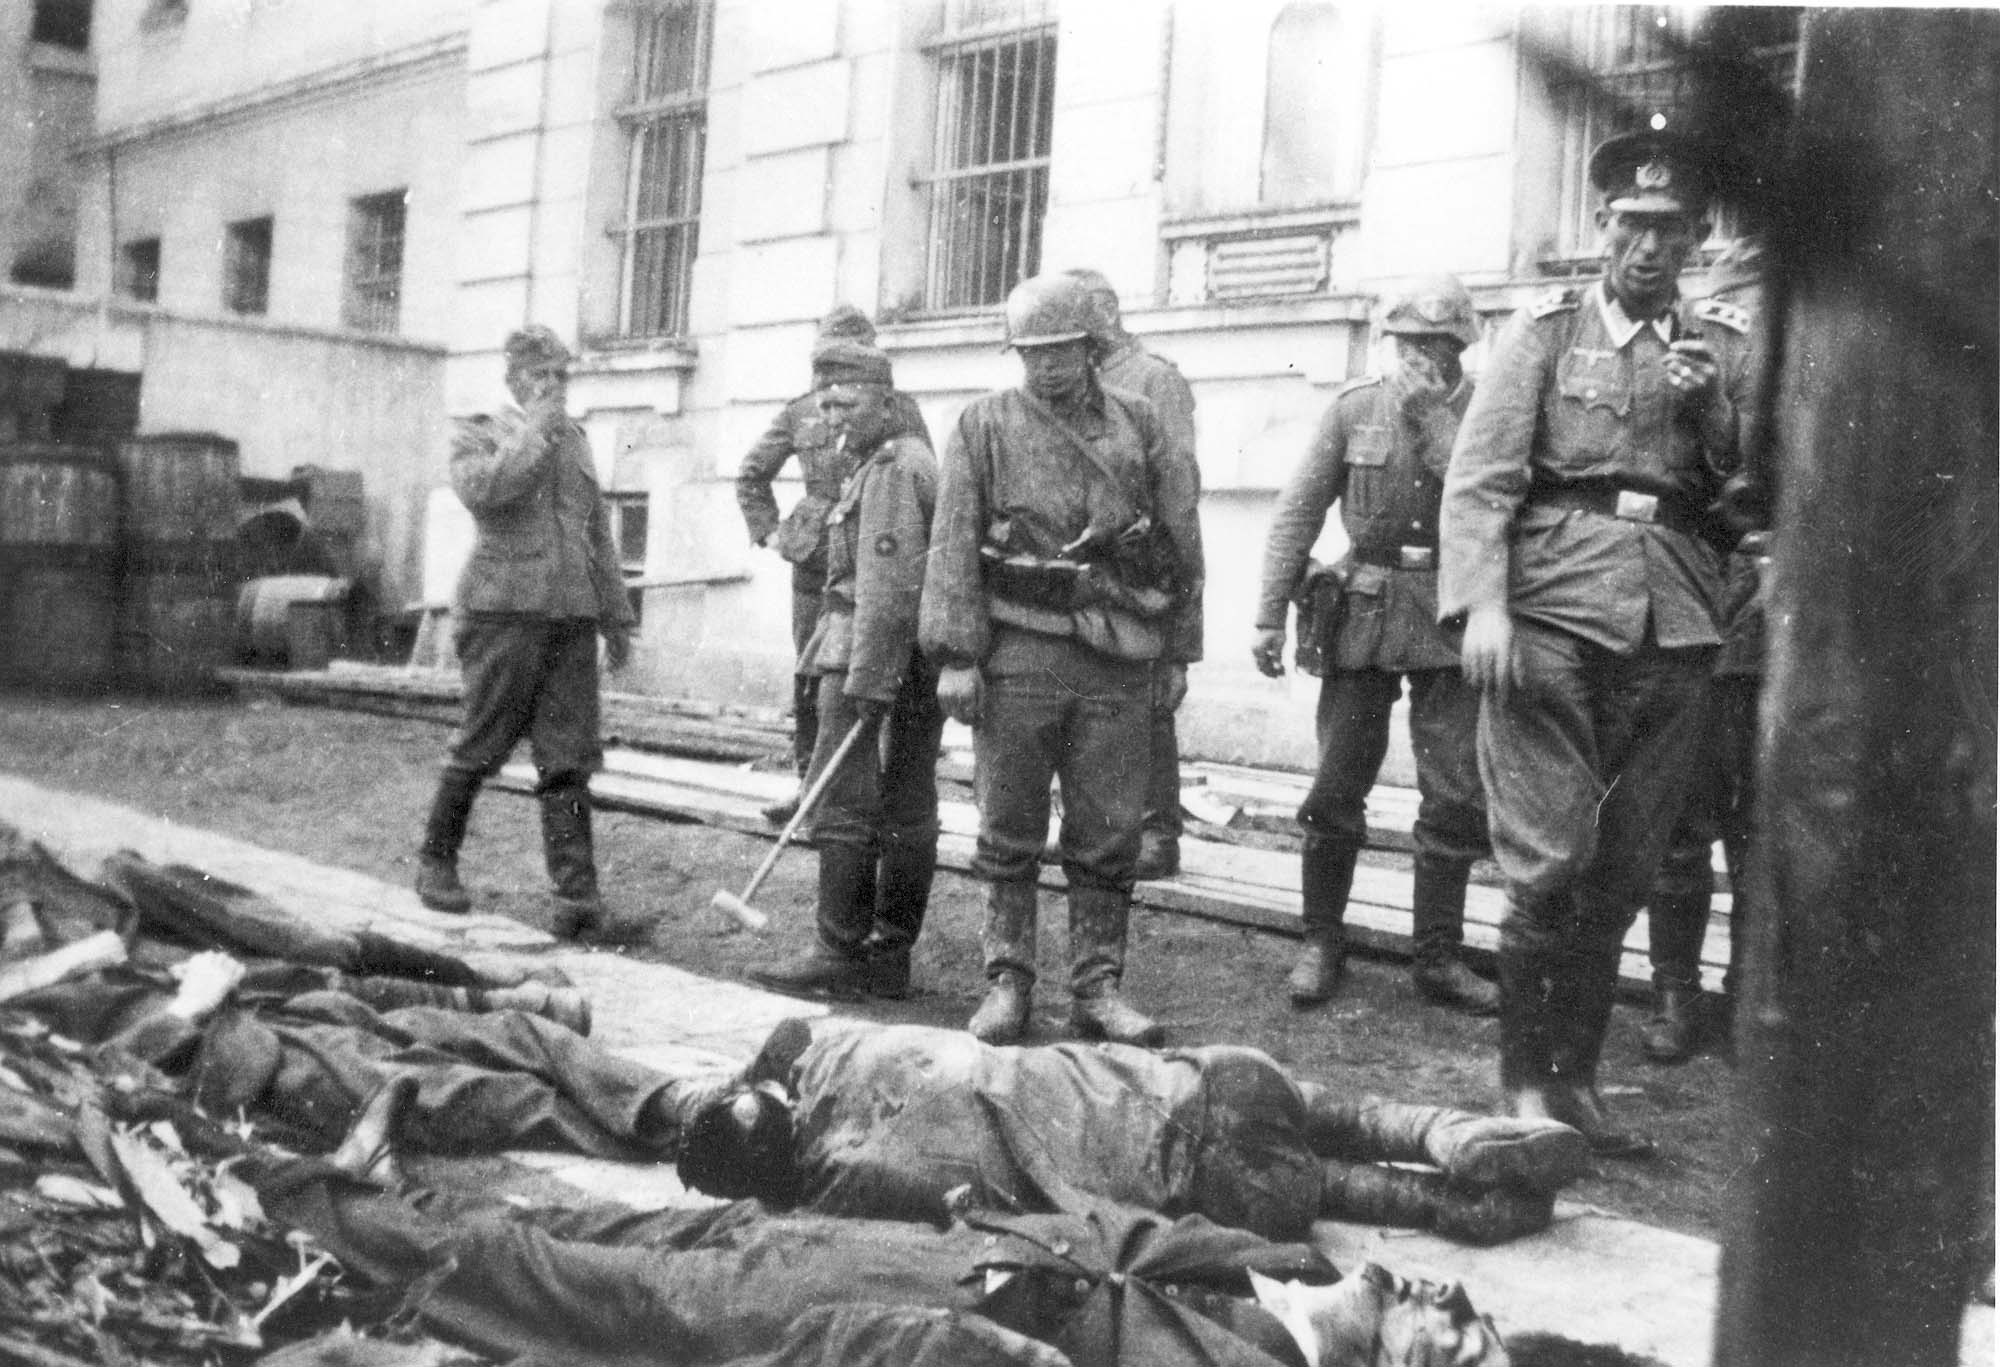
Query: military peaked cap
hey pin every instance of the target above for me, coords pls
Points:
(1650, 173)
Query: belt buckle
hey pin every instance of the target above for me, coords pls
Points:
(1415, 558)
(1637, 507)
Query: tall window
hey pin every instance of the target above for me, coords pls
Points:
(374, 295)
(667, 127)
(1303, 107)
(139, 270)
(1633, 54)
(989, 185)
(246, 266)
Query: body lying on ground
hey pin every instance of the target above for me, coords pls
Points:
(846, 1117)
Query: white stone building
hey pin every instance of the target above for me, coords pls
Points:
(686, 185)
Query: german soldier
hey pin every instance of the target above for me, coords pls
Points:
(1126, 364)
(1066, 560)
(1572, 554)
(798, 433)
(541, 586)
(876, 827)
(1381, 452)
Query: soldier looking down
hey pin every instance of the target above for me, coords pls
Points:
(1601, 433)
(1065, 565)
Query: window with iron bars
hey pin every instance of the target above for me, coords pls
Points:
(1633, 54)
(246, 266)
(374, 296)
(666, 125)
(989, 183)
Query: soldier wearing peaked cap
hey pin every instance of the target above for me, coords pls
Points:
(1381, 452)
(541, 585)
(876, 828)
(1572, 558)
(799, 434)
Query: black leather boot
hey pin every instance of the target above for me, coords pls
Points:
(1588, 991)
(835, 965)
(902, 895)
(1438, 925)
(1098, 922)
(572, 863)
(1676, 923)
(1007, 944)
(1368, 1194)
(1326, 877)
(1527, 983)
(438, 886)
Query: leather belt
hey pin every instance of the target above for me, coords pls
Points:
(1397, 557)
(1630, 505)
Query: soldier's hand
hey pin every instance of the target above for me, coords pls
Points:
(1268, 650)
(617, 648)
(962, 694)
(1487, 654)
(1173, 688)
(870, 709)
(1416, 383)
(1693, 373)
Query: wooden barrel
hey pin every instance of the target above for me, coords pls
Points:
(58, 565)
(177, 625)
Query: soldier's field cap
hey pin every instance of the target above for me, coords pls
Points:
(535, 345)
(845, 320)
(842, 360)
(1649, 173)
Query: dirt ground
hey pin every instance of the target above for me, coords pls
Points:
(349, 789)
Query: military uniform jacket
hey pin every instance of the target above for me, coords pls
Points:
(799, 432)
(1386, 470)
(1577, 393)
(878, 545)
(1136, 370)
(1007, 463)
(543, 539)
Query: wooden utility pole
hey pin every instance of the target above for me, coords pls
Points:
(1867, 1027)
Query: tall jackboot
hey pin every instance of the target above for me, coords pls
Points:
(1527, 1030)
(1098, 922)
(1438, 915)
(1676, 924)
(902, 894)
(1591, 987)
(444, 832)
(572, 863)
(1472, 1150)
(1367, 1194)
(1007, 943)
(1326, 877)
(834, 966)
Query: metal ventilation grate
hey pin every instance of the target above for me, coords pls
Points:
(1246, 268)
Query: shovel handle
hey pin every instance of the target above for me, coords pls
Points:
(806, 806)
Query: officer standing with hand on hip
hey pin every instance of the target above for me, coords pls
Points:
(1381, 453)
(1572, 553)
(541, 586)
(1065, 563)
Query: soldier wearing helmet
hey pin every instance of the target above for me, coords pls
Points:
(1575, 557)
(1065, 566)
(1125, 363)
(1369, 626)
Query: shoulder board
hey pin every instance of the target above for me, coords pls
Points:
(1731, 316)
(1356, 385)
(1554, 302)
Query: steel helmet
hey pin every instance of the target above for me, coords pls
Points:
(1045, 309)
(1438, 307)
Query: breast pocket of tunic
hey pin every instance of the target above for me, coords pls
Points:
(1593, 405)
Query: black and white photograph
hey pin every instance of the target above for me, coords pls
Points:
(998, 683)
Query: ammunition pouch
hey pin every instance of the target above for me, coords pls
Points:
(802, 535)
(1319, 604)
(1033, 581)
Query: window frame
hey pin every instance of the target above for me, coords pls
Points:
(62, 23)
(653, 300)
(238, 251)
(958, 276)
(371, 297)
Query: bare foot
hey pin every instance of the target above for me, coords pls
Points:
(207, 979)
